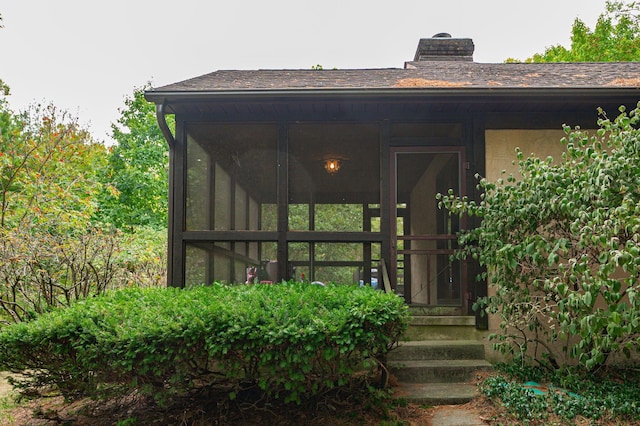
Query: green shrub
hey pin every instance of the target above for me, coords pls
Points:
(561, 245)
(292, 341)
(46, 267)
(142, 258)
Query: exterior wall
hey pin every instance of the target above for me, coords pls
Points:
(500, 155)
(501, 145)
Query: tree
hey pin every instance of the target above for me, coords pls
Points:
(616, 37)
(4, 89)
(561, 245)
(50, 254)
(47, 168)
(136, 176)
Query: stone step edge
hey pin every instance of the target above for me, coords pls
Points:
(441, 342)
(443, 320)
(437, 349)
(440, 363)
(435, 393)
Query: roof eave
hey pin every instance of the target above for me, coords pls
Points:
(159, 96)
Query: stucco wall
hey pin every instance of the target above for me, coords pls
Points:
(501, 146)
(500, 155)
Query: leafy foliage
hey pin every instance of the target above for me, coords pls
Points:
(49, 251)
(567, 395)
(562, 248)
(44, 270)
(290, 341)
(136, 176)
(47, 168)
(142, 257)
(53, 251)
(4, 88)
(616, 37)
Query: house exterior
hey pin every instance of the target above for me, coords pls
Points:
(305, 174)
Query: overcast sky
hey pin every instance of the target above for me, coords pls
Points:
(86, 56)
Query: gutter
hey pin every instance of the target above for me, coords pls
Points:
(164, 127)
(550, 92)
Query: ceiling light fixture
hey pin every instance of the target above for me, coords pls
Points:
(332, 165)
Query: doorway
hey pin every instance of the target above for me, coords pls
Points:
(423, 236)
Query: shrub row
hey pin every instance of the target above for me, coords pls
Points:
(292, 341)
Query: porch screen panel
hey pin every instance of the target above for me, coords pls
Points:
(254, 223)
(230, 195)
(268, 217)
(355, 149)
(339, 217)
(231, 171)
(221, 259)
(195, 267)
(222, 200)
(338, 262)
(230, 262)
(334, 182)
(299, 217)
(197, 188)
(254, 214)
(241, 206)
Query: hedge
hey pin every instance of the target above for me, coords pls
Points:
(293, 341)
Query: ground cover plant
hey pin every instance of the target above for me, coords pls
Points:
(561, 245)
(533, 395)
(287, 342)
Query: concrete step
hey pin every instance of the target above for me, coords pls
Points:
(437, 349)
(435, 310)
(438, 370)
(445, 320)
(435, 393)
(442, 327)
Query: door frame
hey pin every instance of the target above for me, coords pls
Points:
(393, 203)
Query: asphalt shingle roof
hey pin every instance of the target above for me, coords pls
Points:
(435, 75)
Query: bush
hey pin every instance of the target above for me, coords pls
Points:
(142, 259)
(42, 270)
(561, 245)
(45, 269)
(290, 341)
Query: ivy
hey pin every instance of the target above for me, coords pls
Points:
(532, 395)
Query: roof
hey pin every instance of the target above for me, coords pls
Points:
(440, 75)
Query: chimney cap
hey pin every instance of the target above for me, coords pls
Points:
(443, 47)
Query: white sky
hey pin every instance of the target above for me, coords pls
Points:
(86, 56)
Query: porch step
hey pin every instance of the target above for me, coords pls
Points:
(435, 393)
(437, 349)
(437, 372)
(442, 327)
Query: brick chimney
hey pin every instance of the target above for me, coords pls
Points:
(442, 47)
